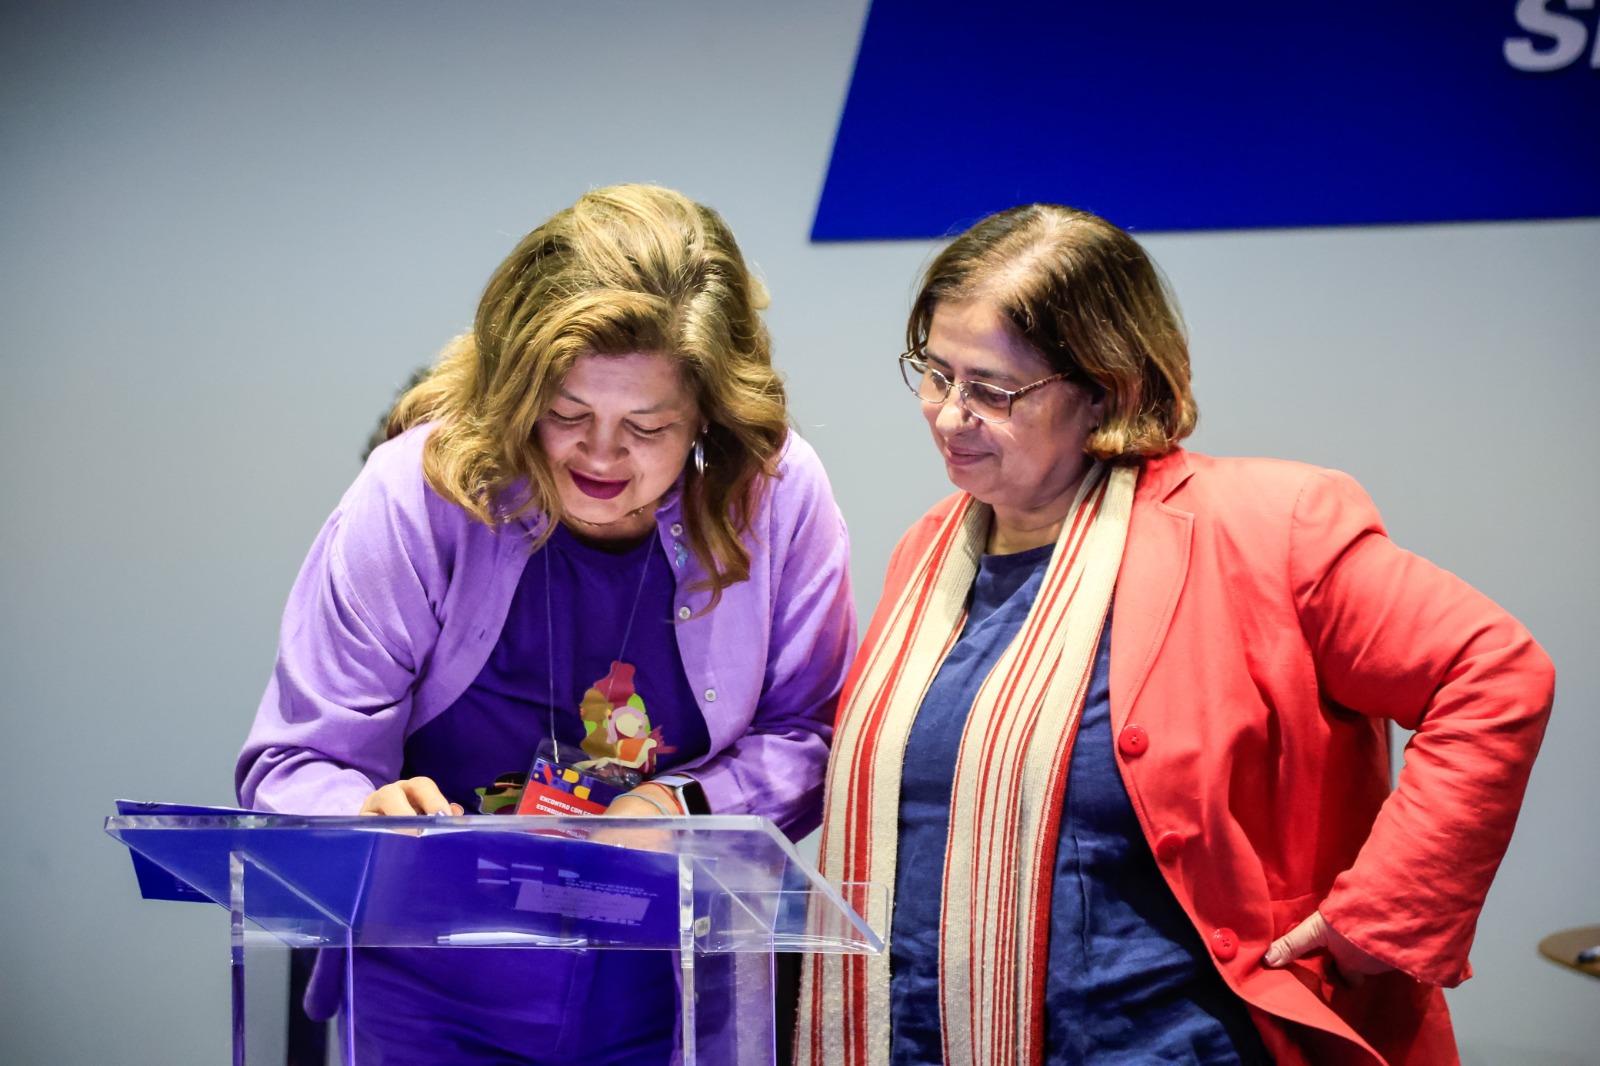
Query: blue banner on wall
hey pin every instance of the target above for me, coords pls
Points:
(1177, 115)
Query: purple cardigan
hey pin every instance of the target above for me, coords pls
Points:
(404, 594)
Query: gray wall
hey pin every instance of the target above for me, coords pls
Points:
(229, 231)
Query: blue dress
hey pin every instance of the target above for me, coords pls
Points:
(1129, 980)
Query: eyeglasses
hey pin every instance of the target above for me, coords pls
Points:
(990, 403)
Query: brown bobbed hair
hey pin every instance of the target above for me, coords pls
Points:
(626, 269)
(1084, 294)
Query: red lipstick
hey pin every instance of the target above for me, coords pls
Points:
(598, 488)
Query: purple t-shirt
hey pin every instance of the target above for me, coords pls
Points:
(591, 630)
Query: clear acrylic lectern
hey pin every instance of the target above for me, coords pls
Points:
(723, 892)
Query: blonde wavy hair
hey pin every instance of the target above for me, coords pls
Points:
(629, 268)
(1084, 294)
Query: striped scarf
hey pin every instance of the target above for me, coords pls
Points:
(1010, 780)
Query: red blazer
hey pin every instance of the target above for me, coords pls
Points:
(1265, 630)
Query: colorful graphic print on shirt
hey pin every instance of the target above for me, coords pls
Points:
(619, 741)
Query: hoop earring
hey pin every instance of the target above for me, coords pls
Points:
(700, 455)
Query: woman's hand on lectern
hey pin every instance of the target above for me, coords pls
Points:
(412, 796)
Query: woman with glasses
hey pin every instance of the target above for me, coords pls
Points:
(590, 528)
(1118, 731)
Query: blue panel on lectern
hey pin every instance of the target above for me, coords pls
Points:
(1177, 115)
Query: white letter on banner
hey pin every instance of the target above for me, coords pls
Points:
(1569, 35)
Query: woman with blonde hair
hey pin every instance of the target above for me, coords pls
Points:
(593, 506)
(1118, 731)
